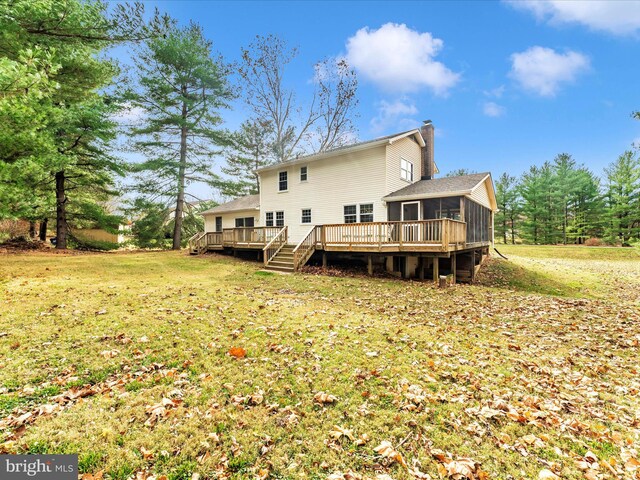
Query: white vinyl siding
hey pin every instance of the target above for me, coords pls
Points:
(344, 179)
(408, 150)
(229, 219)
(481, 195)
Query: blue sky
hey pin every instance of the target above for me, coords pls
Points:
(507, 85)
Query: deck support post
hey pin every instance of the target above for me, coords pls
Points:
(421, 268)
(370, 265)
(473, 265)
(436, 268)
(324, 260)
(454, 266)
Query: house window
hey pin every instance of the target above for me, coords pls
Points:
(366, 212)
(268, 219)
(303, 174)
(406, 170)
(279, 219)
(218, 224)
(350, 214)
(282, 182)
(306, 215)
(244, 222)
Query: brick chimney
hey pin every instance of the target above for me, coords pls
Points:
(428, 164)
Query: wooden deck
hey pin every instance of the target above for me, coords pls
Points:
(428, 236)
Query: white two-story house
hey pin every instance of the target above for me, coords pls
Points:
(376, 200)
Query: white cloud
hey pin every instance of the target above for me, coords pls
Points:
(495, 92)
(620, 17)
(399, 59)
(492, 109)
(129, 114)
(397, 115)
(542, 70)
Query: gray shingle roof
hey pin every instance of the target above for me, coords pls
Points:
(250, 202)
(439, 186)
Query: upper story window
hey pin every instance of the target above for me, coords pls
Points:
(306, 215)
(268, 219)
(366, 212)
(350, 214)
(303, 174)
(283, 184)
(406, 170)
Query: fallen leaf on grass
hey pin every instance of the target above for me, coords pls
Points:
(323, 398)
(238, 352)
(338, 432)
(546, 474)
(386, 450)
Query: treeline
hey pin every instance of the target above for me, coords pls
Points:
(65, 103)
(564, 202)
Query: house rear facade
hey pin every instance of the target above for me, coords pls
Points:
(378, 200)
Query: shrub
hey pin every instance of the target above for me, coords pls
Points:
(593, 242)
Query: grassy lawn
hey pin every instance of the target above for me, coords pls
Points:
(125, 359)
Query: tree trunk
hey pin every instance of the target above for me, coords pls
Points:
(43, 229)
(32, 230)
(177, 224)
(61, 212)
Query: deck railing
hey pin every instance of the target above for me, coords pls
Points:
(249, 236)
(272, 248)
(196, 242)
(406, 235)
(305, 248)
(214, 238)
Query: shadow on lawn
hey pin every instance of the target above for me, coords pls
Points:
(506, 274)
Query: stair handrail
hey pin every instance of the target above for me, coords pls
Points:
(272, 248)
(305, 248)
(195, 240)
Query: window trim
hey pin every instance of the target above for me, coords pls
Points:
(306, 174)
(302, 222)
(360, 205)
(286, 180)
(402, 204)
(410, 172)
(344, 214)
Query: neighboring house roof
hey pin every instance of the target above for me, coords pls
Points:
(442, 187)
(386, 140)
(249, 202)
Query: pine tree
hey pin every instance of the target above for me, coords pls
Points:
(251, 150)
(623, 198)
(181, 90)
(508, 199)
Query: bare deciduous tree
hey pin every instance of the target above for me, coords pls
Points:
(332, 103)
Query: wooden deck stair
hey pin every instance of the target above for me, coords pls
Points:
(283, 261)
